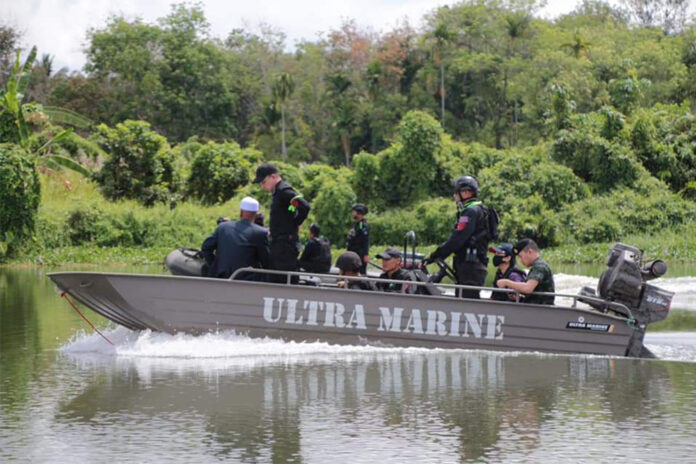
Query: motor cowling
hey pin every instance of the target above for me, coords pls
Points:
(625, 282)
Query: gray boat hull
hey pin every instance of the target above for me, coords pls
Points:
(303, 313)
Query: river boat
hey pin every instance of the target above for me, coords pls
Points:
(611, 322)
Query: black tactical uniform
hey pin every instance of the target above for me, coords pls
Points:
(288, 212)
(469, 243)
(358, 240)
(401, 274)
(512, 273)
(316, 256)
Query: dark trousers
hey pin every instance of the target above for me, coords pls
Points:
(284, 252)
(470, 274)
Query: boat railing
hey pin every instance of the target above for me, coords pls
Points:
(609, 305)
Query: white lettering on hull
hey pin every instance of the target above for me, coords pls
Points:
(333, 314)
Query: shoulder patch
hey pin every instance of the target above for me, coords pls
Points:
(462, 222)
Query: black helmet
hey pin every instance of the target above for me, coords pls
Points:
(349, 261)
(466, 183)
(360, 208)
(314, 229)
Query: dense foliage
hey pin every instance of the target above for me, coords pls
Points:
(139, 164)
(580, 129)
(218, 170)
(19, 197)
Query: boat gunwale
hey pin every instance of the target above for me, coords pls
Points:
(372, 279)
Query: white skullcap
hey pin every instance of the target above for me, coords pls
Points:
(250, 204)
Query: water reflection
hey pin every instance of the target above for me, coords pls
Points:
(387, 406)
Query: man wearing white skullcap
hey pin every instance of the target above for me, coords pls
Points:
(237, 244)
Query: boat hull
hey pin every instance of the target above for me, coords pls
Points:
(303, 313)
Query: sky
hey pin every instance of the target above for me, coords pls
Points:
(59, 27)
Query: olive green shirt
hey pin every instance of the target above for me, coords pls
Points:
(541, 272)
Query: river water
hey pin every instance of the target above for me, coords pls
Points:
(68, 396)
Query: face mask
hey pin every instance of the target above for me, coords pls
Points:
(497, 260)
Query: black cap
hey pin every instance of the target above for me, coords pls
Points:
(349, 261)
(521, 245)
(502, 249)
(360, 208)
(389, 253)
(315, 229)
(263, 171)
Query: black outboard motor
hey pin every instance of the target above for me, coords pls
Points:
(186, 262)
(625, 282)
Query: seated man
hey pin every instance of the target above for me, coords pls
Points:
(504, 260)
(349, 264)
(316, 256)
(391, 263)
(540, 277)
(237, 244)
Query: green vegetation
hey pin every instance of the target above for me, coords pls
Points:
(580, 130)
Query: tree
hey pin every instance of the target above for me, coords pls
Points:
(343, 108)
(139, 165)
(14, 127)
(20, 193)
(577, 47)
(283, 88)
(442, 37)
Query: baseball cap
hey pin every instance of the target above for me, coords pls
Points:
(263, 171)
(389, 253)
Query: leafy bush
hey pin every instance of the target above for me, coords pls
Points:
(366, 179)
(664, 139)
(409, 166)
(518, 177)
(139, 164)
(332, 208)
(605, 164)
(432, 220)
(20, 194)
(218, 170)
(623, 212)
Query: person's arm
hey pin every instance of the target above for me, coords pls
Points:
(466, 225)
(523, 287)
(208, 248)
(264, 251)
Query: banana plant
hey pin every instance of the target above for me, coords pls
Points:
(11, 102)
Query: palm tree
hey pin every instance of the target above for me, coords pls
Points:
(442, 37)
(283, 87)
(344, 109)
(577, 47)
(11, 102)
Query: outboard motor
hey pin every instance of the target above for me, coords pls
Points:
(625, 282)
(186, 262)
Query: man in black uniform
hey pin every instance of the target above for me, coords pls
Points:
(358, 239)
(348, 264)
(391, 263)
(288, 212)
(316, 256)
(469, 239)
(237, 244)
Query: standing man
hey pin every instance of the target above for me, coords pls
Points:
(316, 256)
(288, 212)
(469, 239)
(358, 239)
(237, 244)
(540, 277)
